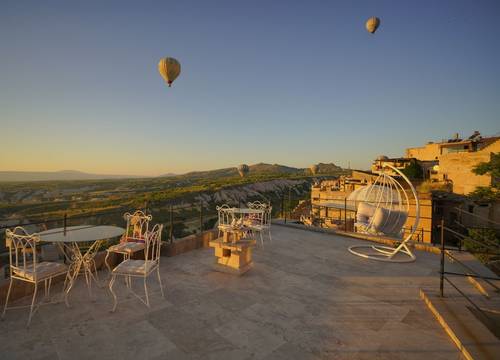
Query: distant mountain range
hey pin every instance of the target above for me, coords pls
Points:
(260, 168)
(55, 175)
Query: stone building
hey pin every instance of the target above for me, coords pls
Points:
(455, 160)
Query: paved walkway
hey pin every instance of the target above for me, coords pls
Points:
(306, 298)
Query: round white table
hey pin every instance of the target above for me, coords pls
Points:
(71, 240)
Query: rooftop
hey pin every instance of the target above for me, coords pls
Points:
(305, 298)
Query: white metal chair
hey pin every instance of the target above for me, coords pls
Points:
(263, 221)
(134, 237)
(25, 267)
(225, 218)
(141, 268)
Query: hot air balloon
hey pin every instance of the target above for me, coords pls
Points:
(169, 69)
(372, 24)
(314, 169)
(243, 169)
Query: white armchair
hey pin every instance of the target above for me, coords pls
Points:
(24, 265)
(141, 268)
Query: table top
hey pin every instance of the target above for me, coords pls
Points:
(81, 233)
(246, 211)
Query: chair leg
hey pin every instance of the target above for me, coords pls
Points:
(71, 278)
(7, 299)
(32, 304)
(159, 280)
(261, 239)
(48, 288)
(270, 237)
(146, 291)
(88, 279)
(95, 271)
(106, 261)
(115, 301)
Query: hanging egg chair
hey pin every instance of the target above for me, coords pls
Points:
(382, 210)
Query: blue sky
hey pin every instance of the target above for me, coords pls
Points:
(291, 82)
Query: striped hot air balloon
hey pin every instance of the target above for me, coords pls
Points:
(243, 169)
(314, 169)
(169, 69)
(372, 24)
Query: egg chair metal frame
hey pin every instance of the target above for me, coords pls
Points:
(391, 184)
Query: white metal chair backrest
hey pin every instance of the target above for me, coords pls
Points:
(153, 244)
(22, 250)
(267, 208)
(137, 226)
(225, 214)
(256, 205)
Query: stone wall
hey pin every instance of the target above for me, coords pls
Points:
(424, 153)
(457, 168)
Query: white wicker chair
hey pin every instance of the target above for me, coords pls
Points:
(25, 267)
(134, 238)
(141, 268)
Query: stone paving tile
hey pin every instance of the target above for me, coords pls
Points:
(85, 340)
(141, 339)
(251, 337)
(290, 351)
(230, 300)
(187, 332)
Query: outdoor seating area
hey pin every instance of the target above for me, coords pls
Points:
(79, 246)
(305, 297)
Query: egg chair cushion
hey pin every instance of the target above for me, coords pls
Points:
(365, 212)
(389, 222)
(397, 219)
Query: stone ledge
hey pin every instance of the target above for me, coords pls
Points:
(188, 243)
(471, 337)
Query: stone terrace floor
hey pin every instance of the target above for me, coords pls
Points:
(305, 298)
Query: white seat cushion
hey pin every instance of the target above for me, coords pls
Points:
(134, 267)
(225, 227)
(127, 247)
(44, 270)
(365, 212)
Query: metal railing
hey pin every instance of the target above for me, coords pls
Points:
(178, 220)
(467, 270)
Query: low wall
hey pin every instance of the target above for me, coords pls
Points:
(188, 243)
(378, 239)
(21, 289)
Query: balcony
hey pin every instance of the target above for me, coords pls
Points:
(305, 298)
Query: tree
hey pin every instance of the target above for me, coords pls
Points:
(413, 171)
(491, 168)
